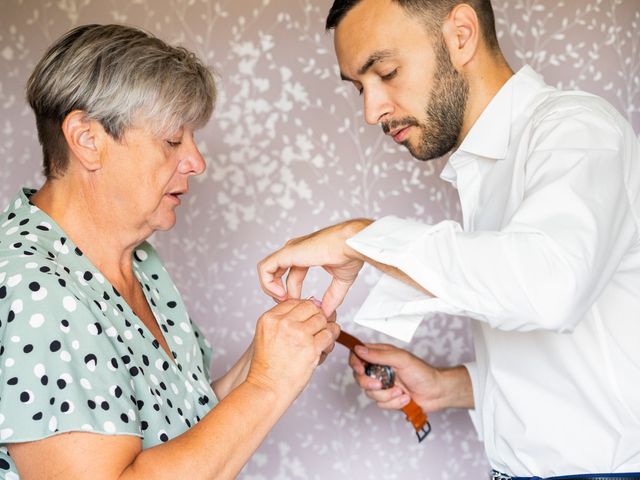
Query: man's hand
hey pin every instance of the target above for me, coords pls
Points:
(431, 388)
(325, 248)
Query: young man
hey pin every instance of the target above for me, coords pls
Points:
(547, 259)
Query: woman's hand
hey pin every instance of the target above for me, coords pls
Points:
(290, 341)
(431, 388)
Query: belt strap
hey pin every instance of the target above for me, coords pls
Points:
(413, 412)
(591, 476)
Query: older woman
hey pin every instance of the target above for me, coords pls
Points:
(103, 374)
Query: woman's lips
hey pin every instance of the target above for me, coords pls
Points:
(174, 197)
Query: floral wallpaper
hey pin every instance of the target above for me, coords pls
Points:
(288, 152)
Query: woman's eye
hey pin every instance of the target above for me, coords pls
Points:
(389, 75)
(174, 144)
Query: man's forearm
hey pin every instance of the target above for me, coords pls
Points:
(457, 391)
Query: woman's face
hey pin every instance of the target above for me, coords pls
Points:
(148, 174)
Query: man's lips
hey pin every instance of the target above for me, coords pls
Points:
(400, 134)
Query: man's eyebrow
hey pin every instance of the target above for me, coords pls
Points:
(372, 60)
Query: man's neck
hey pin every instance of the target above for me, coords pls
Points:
(486, 77)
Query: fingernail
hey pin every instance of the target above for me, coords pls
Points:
(404, 401)
(317, 302)
(360, 350)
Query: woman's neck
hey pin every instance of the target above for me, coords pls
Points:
(85, 219)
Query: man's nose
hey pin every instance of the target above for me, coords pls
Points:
(376, 105)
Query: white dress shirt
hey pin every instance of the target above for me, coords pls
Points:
(548, 261)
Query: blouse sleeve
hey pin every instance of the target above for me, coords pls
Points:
(58, 369)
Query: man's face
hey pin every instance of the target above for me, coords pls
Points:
(406, 78)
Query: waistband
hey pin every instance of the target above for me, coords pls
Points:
(592, 476)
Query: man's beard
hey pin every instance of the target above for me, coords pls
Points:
(444, 112)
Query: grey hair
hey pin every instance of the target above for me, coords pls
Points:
(120, 76)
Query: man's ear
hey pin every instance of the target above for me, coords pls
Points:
(461, 32)
(85, 138)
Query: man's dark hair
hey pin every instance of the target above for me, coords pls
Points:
(432, 11)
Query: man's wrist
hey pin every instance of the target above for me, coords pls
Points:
(351, 229)
(457, 391)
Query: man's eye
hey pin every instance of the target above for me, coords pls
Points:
(389, 75)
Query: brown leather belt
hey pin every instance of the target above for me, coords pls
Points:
(414, 413)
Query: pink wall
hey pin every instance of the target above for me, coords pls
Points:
(288, 152)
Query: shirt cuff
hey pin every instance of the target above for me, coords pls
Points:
(394, 307)
(474, 414)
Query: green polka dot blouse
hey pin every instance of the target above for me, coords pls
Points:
(74, 356)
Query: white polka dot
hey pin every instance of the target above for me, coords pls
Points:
(93, 330)
(14, 280)
(11, 231)
(175, 388)
(142, 255)
(69, 303)
(1, 419)
(11, 476)
(9, 362)
(53, 424)
(111, 332)
(128, 335)
(159, 363)
(65, 356)
(66, 377)
(32, 238)
(132, 415)
(2, 276)
(75, 344)
(36, 321)
(185, 327)
(45, 225)
(154, 379)
(109, 427)
(87, 427)
(187, 404)
(39, 370)
(177, 339)
(16, 306)
(5, 433)
(91, 365)
(188, 386)
(103, 306)
(15, 339)
(99, 277)
(4, 263)
(41, 294)
(86, 384)
(18, 203)
(31, 265)
(59, 247)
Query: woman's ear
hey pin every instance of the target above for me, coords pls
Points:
(85, 138)
(461, 34)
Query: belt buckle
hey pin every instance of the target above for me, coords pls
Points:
(499, 476)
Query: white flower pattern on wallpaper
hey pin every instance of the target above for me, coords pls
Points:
(288, 152)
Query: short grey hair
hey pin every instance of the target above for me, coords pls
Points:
(120, 76)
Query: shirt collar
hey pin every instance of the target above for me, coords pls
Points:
(490, 134)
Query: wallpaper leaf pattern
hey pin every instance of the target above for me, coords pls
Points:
(288, 152)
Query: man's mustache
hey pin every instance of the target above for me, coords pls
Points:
(401, 123)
